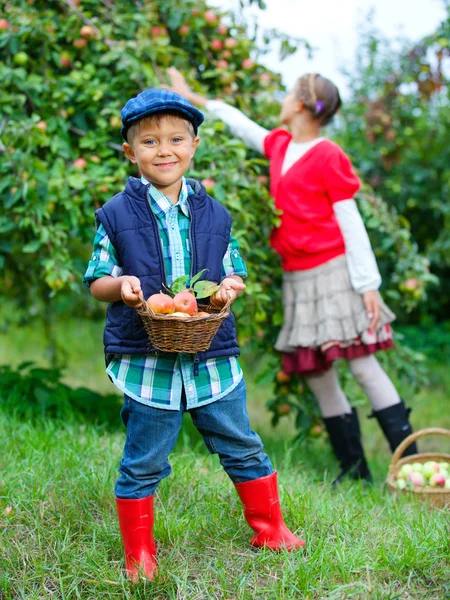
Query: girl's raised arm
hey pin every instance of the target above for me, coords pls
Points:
(241, 126)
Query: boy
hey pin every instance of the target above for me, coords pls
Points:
(159, 228)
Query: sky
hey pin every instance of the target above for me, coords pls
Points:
(332, 27)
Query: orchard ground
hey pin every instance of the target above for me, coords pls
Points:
(59, 532)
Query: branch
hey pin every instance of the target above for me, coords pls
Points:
(80, 15)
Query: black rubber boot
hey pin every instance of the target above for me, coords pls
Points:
(345, 437)
(394, 422)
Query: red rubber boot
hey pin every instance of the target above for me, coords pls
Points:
(136, 526)
(262, 512)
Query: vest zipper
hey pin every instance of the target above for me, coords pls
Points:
(191, 214)
(158, 240)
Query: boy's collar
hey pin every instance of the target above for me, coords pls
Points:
(161, 199)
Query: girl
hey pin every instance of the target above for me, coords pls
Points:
(332, 308)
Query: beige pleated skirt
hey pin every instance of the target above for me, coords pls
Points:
(325, 319)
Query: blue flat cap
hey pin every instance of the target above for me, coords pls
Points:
(155, 100)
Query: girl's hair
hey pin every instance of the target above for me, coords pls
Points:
(319, 95)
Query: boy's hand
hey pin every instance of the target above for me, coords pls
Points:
(372, 304)
(131, 292)
(178, 84)
(230, 288)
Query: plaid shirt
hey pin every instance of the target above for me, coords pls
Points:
(158, 380)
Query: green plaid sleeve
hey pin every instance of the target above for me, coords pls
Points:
(104, 259)
(233, 263)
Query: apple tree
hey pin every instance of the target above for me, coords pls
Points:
(66, 69)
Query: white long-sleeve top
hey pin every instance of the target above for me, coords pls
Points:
(361, 262)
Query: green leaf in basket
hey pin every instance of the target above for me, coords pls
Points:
(203, 289)
(179, 285)
(197, 276)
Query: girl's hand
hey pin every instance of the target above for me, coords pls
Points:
(131, 292)
(230, 288)
(372, 304)
(178, 84)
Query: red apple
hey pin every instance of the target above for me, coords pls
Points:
(180, 315)
(263, 179)
(230, 43)
(81, 43)
(79, 163)
(209, 184)
(284, 409)
(226, 54)
(64, 60)
(416, 479)
(183, 30)
(42, 125)
(437, 480)
(411, 284)
(217, 44)
(186, 302)
(283, 377)
(4, 25)
(161, 304)
(155, 31)
(210, 17)
(222, 29)
(430, 468)
(248, 64)
(265, 77)
(87, 31)
(222, 64)
(202, 313)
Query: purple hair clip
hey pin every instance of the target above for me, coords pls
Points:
(319, 107)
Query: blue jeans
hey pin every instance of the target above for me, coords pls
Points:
(153, 432)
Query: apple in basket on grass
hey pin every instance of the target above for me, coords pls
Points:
(179, 301)
(430, 474)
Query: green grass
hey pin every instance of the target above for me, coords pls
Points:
(59, 536)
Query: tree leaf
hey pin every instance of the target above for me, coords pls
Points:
(179, 285)
(197, 277)
(203, 289)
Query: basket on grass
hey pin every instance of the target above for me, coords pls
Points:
(192, 334)
(439, 497)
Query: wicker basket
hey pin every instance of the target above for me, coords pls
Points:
(439, 497)
(190, 335)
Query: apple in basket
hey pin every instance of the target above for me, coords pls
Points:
(415, 480)
(161, 304)
(185, 302)
(430, 468)
(180, 315)
(437, 480)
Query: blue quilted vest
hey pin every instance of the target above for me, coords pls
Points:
(133, 231)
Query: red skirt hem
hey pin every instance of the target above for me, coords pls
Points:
(311, 361)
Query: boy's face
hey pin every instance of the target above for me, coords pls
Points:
(163, 151)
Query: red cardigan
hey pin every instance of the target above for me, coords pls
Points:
(309, 233)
